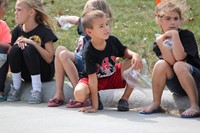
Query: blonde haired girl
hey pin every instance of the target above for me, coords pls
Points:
(32, 53)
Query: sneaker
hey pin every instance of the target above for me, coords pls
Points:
(13, 94)
(100, 105)
(35, 97)
(123, 105)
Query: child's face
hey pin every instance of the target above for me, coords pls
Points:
(170, 21)
(100, 29)
(22, 12)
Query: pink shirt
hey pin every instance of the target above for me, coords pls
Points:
(5, 35)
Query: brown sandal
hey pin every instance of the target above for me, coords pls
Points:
(77, 104)
(55, 102)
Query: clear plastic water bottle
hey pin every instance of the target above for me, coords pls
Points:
(144, 69)
(63, 23)
(157, 35)
(168, 43)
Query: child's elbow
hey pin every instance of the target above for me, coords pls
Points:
(49, 60)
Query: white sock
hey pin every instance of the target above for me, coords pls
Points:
(36, 82)
(16, 77)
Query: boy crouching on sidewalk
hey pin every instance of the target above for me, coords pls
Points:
(100, 55)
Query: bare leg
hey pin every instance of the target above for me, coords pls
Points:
(187, 82)
(128, 90)
(161, 71)
(64, 63)
(67, 59)
(59, 74)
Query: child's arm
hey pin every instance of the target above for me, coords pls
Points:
(68, 19)
(46, 53)
(178, 49)
(5, 46)
(136, 60)
(166, 52)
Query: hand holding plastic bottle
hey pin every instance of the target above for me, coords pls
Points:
(63, 22)
(167, 42)
(138, 78)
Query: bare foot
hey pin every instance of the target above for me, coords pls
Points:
(152, 108)
(59, 97)
(192, 111)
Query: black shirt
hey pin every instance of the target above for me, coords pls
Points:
(43, 32)
(103, 62)
(190, 46)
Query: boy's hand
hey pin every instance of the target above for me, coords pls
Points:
(136, 62)
(90, 110)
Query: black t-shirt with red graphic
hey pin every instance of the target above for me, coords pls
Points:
(103, 62)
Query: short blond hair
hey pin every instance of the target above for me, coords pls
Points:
(166, 6)
(88, 17)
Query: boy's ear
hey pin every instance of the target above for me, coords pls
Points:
(88, 31)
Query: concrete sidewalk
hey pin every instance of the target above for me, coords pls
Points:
(21, 117)
(139, 98)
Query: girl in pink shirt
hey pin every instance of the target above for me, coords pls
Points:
(5, 38)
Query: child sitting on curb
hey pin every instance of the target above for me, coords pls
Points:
(178, 66)
(5, 39)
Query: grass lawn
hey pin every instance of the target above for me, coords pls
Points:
(134, 22)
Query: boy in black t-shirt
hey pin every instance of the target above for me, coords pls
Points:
(100, 55)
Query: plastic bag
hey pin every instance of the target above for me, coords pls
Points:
(167, 42)
(63, 23)
(3, 58)
(136, 78)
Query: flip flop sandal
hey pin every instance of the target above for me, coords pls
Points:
(195, 115)
(55, 102)
(154, 111)
(77, 104)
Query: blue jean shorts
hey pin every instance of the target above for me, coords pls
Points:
(79, 63)
(175, 87)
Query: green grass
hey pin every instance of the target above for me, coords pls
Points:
(134, 23)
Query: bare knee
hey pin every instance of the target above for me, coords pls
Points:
(180, 67)
(63, 55)
(81, 92)
(162, 67)
(59, 49)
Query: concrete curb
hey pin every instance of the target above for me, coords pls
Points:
(139, 98)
